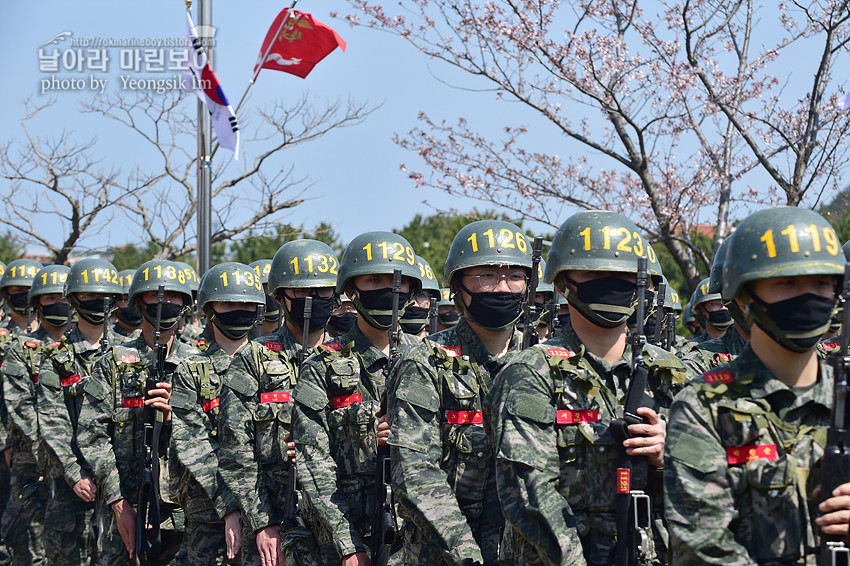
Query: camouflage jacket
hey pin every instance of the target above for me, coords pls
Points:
(443, 470)
(193, 453)
(549, 414)
(336, 402)
(20, 375)
(742, 458)
(63, 375)
(254, 417)
(7, 336)
(109, 433)
(702, 356)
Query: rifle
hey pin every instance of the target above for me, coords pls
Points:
(659, 312)
(382, 527)
(551, 307)
(529, 333)
(294, 498)
(634, 508)
(432, 314)
(107, 308)
(836, 456)
(148, 541)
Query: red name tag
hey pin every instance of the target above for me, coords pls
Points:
(134, 402)
(30, 344)
(3, 332)
(624, 480)
(274, 397)
(70, 380)
(35, 378)
(335, 346)
(54, 344)
(744, 454)
(724, 357)
(465, 417)
(129, 358)
(721, 376)
(210, 405)
(452, 351)
(830, 345)
(274, 346)
(560, 352)
(575, 417)
(346, 400)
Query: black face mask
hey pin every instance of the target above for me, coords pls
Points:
(449, 318)
(650, 325)
(606, 302)
(91, 311)
(19, 302)
(720, 319)
(564, 319)
(376, 306)
(129, 316)
(495, 310)
(415, 319)
(169, 317)
(796, 324)
(56, 315)
(272, 313)
(339, 324)
(320, 312)
(233, 324)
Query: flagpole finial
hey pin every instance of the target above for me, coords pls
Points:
(188, 4)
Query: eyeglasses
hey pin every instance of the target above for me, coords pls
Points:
(489, 280)
(302, 293)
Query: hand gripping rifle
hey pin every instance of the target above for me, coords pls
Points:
(383, 530)
(294, 498)
(529, 332)
(634, 509)
(148, 540)
(659, 313)
(834, 550)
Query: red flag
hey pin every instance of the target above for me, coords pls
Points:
(295, 44)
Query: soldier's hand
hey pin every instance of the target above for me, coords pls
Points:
(85, 489)
(383, 430)
(358, 559)
(268, 544)
(649, 438)
(159, 399)
(836, 511)
(233, 534)
(125, 519)
(290, 447)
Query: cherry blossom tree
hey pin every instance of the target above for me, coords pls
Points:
(665, 109)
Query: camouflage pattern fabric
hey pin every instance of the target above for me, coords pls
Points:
(549, 413)
(742, 459)
(109, 436)
(336, 402)
(443, 469)
(193, 456)
(699, 357)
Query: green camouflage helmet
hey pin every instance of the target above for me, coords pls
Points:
(781, 242)
(2, 270)
(542, 285)
(487, 242)
(151, 274)
(19, 273)
(377, 253)
(93, 275)
(301, 264)
(446, 298)
(702, 294)
(125, 277)
(49, 279)
(688, 314)
(192, 278)
(231, 282)
(599, 240)
(263, 268)
(715, 277)
(428, 278)
(671, 297)
(846, 248)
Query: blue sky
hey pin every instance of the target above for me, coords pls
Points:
(357, 182)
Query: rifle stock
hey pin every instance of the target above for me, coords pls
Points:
(529, 332)
(836, 458)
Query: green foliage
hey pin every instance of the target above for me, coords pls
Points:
(132, 256)
(11, 248)
(264, 246)
(837, 211)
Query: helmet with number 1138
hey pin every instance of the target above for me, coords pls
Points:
(177, 295)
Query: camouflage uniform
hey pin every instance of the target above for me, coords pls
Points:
(701, 357)
(23, 520)
(193, 461)
(256, 415)
(336, 401)
(443, 476)
(7, 336)
(63, 377)
(550, 409)
(742, 459)
(109, 436)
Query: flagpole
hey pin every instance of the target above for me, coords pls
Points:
(205, 155)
